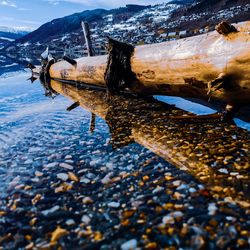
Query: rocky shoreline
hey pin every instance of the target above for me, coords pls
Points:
(125, 199)
(64, 188)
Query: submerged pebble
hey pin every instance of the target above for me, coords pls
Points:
(129, 245)
(62, 176)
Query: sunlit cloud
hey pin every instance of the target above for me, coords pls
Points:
(8, 3)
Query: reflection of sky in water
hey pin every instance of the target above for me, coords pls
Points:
(34, 128)
(196, 108)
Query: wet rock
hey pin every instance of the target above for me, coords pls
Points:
(177, 214)
(114, 204)
(52, 165)
(223, 170)
(212, 208)
(85, 180)
(129, 245)
(62, 176)
(66, 166)
(177, 183)
(87, 200)
(70, 222)
(57, 234)
(182, 187)
(29, 161)
(51, 210)
(168, 219)
(107, 178)
(68, 157)
(158, 190)
(192, 190)
(85, 219)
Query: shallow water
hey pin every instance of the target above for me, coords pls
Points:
(55, 173)
(34, 127)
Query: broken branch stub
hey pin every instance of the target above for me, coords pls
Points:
(119, 75)
(225, 28)
(86, 32)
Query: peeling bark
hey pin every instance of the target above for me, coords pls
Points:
(207, 67)
(119, 75)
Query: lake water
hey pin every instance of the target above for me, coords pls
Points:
(62, 185)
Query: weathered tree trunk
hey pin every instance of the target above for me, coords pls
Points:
(181, 68)
(213, 66)
(186, 66)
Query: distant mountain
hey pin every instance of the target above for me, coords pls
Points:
(8, 35)
(73, 22)
(62, 31)
(134, 24)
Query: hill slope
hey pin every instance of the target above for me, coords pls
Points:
(134, 24)
(8, 35)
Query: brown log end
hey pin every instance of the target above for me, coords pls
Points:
(225, 28)
(119, 75)
(45, 78)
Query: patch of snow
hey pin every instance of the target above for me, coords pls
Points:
(7, 39)
(9, 65)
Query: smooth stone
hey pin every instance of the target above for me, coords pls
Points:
(90, 176)
(129, 245)
(87, 200)
(94, 163)
(168, 219)
(51, 210)
(52, 165)
(85, 219)
(29, 161)
(68, 157)
(157, 190)
(110, 166)
(223, 170)
(63, 176)
(84, 180)
(177, 214)
(192, 190)
(106, 178)
(114, 204)
(66, 166)
(182, 187)
(212, 209)
(70, 222)
(177, 183)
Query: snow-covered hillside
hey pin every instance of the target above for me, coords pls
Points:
(133, 24)
(8, 35)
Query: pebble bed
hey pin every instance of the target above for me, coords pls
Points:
(65, 188)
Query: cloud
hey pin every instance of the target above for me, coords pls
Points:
(8, 3)
(24, 9)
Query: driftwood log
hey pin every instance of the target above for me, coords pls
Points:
(212, 66)
(200, 150)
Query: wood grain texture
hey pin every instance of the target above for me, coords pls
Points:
(184, 67)
(180, 68)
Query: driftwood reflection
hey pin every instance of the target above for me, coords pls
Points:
(215, 153)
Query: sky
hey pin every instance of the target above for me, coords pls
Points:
(31, 14)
